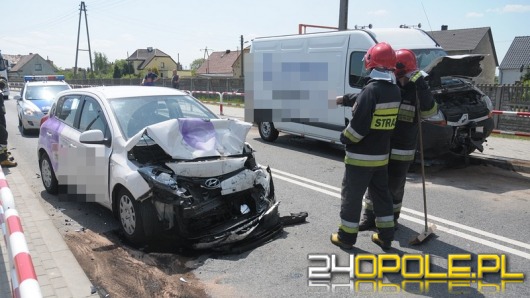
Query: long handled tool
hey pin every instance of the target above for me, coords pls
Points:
(429, 228)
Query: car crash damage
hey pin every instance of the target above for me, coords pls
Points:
(466, 109)
(204, 181)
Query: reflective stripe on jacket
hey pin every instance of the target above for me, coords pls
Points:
(367, 136)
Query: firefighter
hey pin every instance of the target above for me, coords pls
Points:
(404, 138)
(5, 160)
(367, 144)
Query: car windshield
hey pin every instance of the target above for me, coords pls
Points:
(135, 113)
(426, 56)
(43, 92)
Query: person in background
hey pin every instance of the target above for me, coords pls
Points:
(175, 80)
(403, 142)
(5, 160)
(367, 143)
(150, 78)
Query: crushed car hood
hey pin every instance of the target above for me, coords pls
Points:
(191, 138)
(456, 65)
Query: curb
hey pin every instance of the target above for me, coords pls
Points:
(510, 164)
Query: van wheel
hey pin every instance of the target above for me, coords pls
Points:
(267, 131)
(137, 219)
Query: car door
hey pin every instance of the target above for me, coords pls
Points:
(91, 160)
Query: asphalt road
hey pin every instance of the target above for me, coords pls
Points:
(478, 210)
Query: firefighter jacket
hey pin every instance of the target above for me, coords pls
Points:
(405, 135)
(367, 136)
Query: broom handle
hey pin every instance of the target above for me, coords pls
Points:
(421, 159)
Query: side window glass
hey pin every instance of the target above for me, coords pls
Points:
(92, 116)
(67, 109)
(358, 73)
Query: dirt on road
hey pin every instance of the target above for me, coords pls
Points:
(121, 271)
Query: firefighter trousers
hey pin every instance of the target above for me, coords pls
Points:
(397, 177)
(3, 142)
(354, 184)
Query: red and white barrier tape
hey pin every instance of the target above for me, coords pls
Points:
(23, 277)
(495, 112)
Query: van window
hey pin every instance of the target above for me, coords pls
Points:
(357, 71)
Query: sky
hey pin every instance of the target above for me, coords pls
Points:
(188, 30)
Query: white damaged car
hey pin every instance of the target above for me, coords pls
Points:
(161, 161)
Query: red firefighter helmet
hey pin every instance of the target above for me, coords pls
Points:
(380, 55)
(406, 62)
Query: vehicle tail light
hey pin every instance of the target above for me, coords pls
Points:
(43, 119)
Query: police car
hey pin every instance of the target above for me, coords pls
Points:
(36, 98)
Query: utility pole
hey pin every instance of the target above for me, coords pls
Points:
(343, 15)
(82, 9)
(242, 61)
(206, 57)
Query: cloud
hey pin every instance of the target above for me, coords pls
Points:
(379, 13)
(511, 8)
(515, 8)
(474, 15)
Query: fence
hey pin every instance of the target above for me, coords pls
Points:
(514, 102)
(23, 277)
(511, 98)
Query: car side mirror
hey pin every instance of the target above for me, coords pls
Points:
(94, 136)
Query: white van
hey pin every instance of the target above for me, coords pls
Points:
(291, 84)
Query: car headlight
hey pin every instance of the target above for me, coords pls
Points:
(30, 111)
(438, 119)
(489, 104)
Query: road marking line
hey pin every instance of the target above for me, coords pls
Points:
(447, 222)
(306, 179)
(467, 228)
(472, 238)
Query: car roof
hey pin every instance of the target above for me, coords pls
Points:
(46, 83)
(126, 91)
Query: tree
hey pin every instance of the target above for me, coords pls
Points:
(117, 72)
(101, 63)
(196, 64)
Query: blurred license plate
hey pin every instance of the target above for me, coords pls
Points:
(479, 129)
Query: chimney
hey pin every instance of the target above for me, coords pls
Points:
(444, 27)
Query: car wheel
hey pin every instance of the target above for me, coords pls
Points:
(48, 175)
(21, 124)
(267, 131)
(137, 219)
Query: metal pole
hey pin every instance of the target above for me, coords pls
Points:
(78, 33)
(242, 61)
(343, 15)
(88, 38)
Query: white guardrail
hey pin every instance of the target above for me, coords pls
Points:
(24, 282)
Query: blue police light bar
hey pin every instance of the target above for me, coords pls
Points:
(44, 78)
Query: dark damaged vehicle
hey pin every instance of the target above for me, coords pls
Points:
(466, 121)
(161, 161)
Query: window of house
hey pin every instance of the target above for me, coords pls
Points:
(162, 65)
(38, 67)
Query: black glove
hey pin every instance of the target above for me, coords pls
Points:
(418, 79)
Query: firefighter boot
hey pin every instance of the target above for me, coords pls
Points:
(367, 221)
(382, 243)
(8, 163)
(335, 239)
(396, 216)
